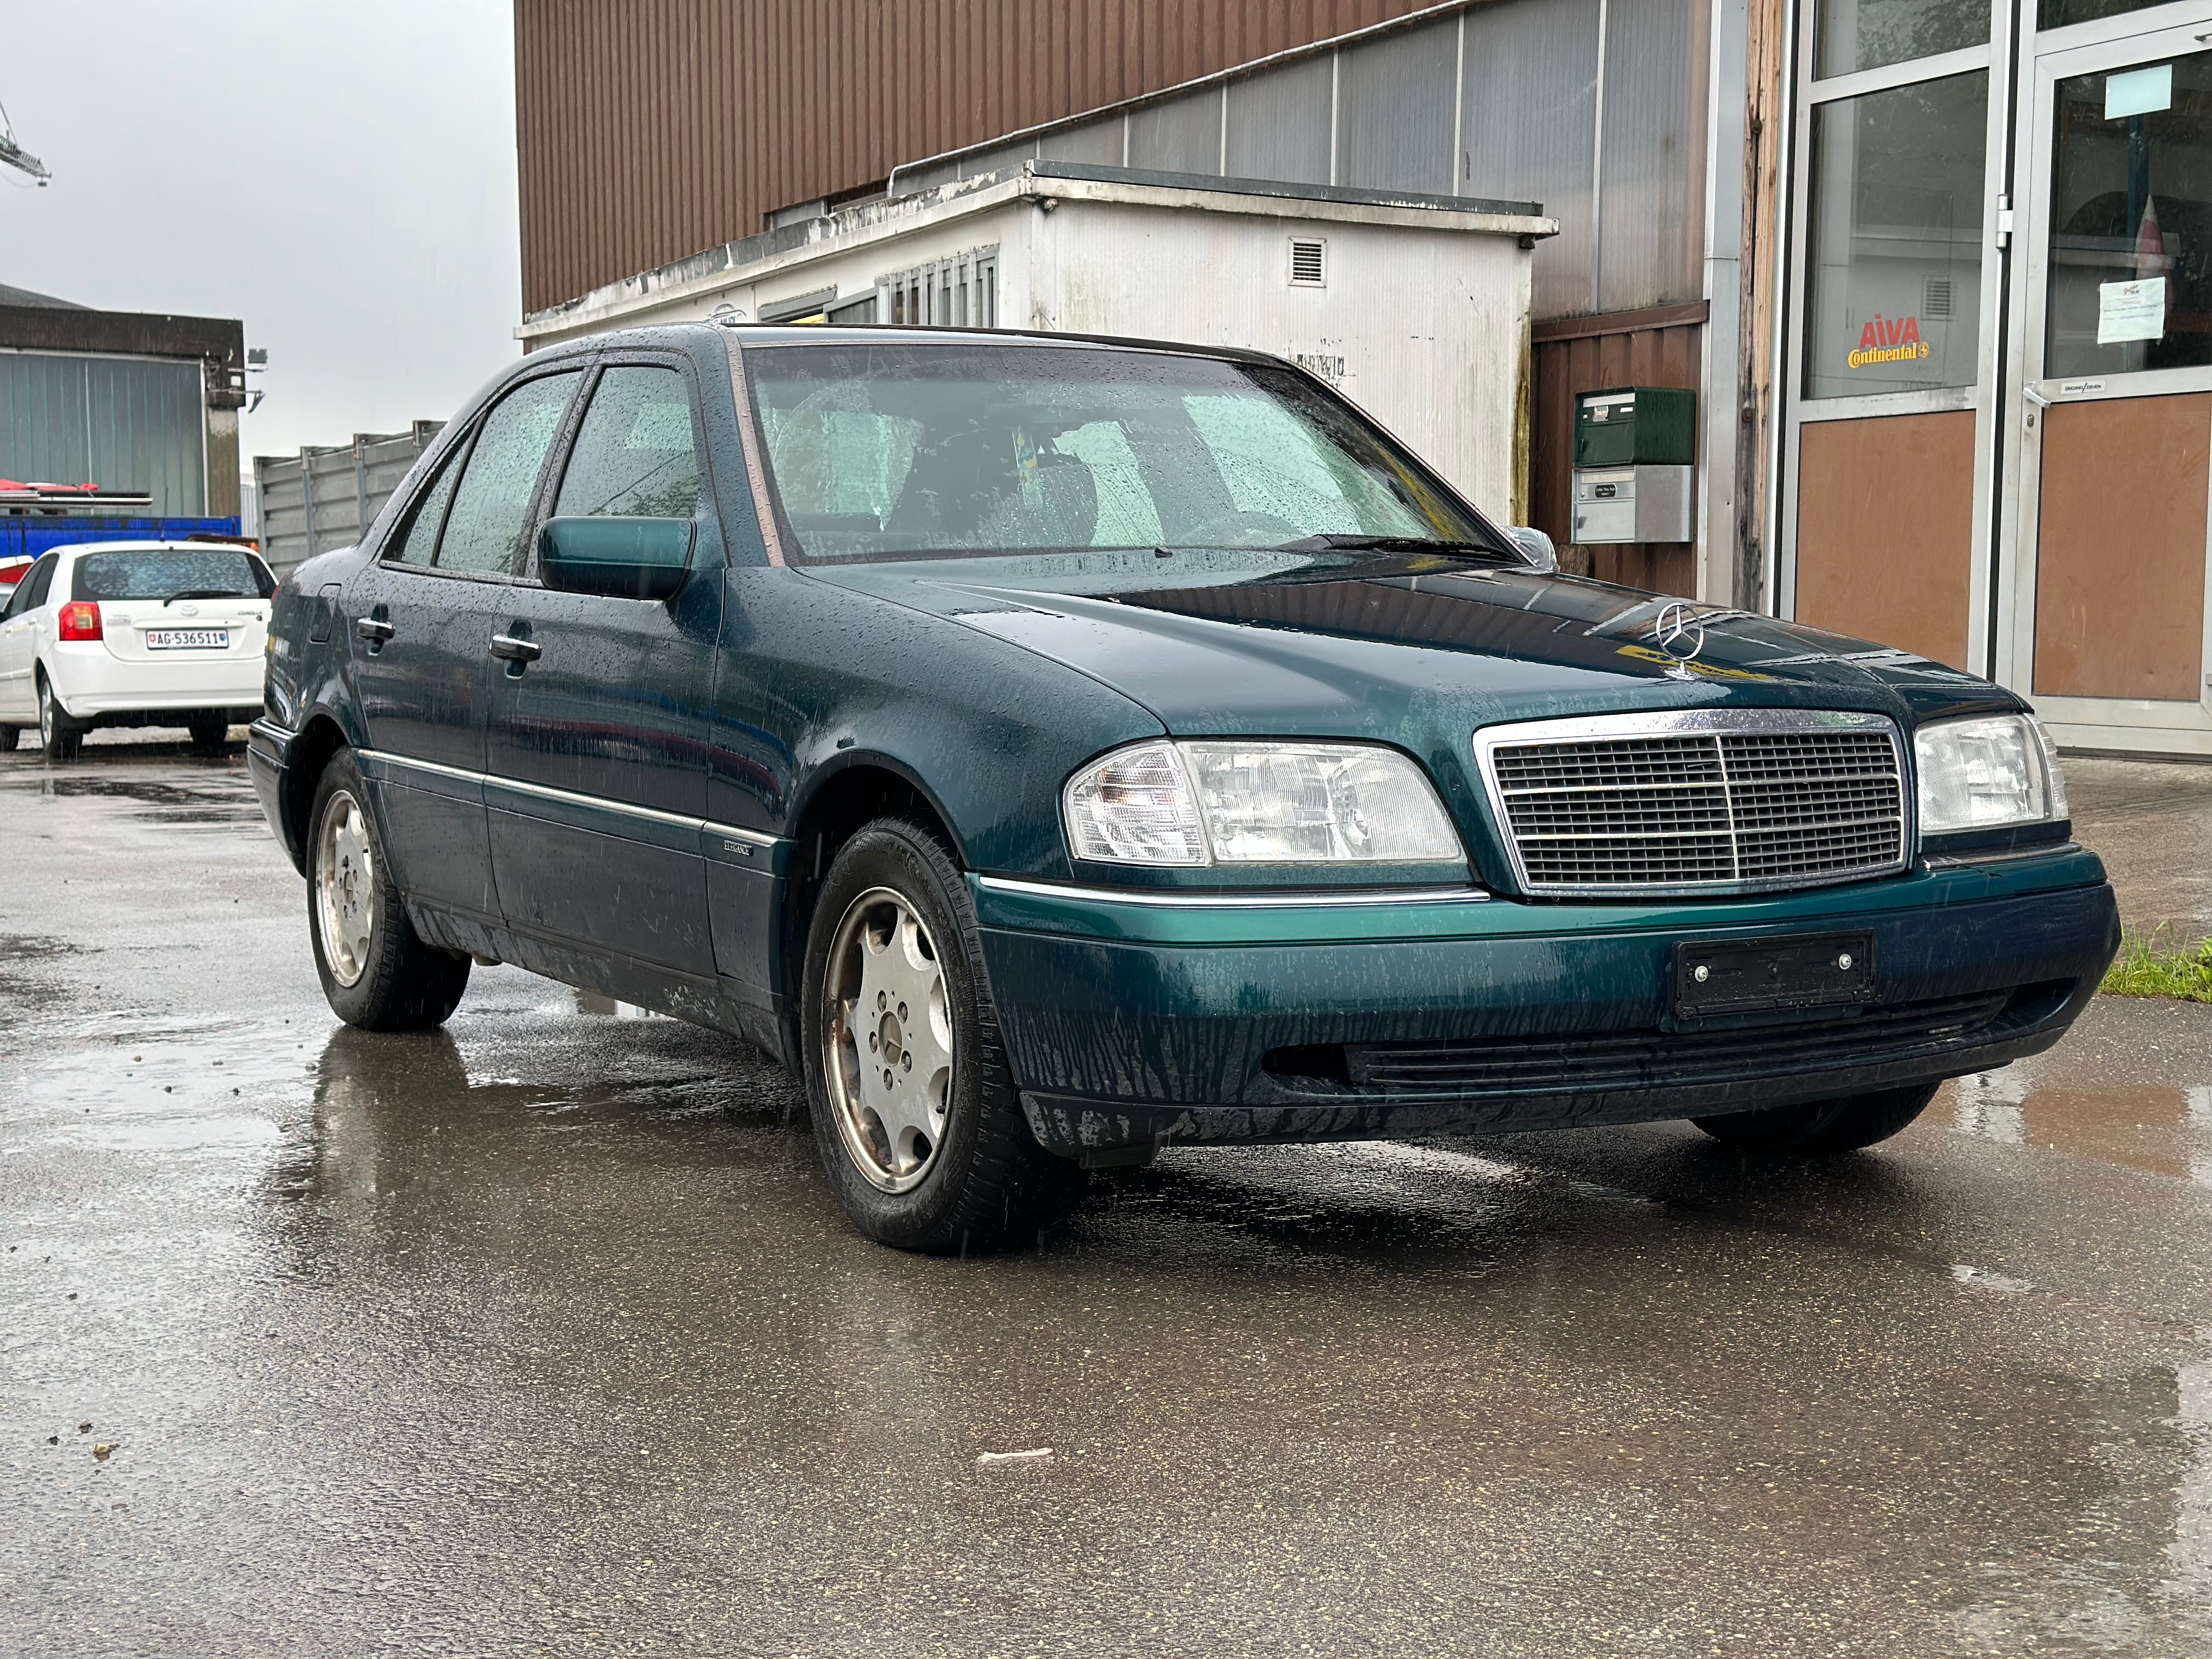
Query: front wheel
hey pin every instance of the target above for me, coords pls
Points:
(914, 1110)
(377, 972)
(58, 735)
(210, 734)
(1824, 1128)
(9, 737)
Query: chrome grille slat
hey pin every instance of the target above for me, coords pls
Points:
(1700, 801)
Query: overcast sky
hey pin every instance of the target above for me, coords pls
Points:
(339, 176)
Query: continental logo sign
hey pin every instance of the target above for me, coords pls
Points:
(1888, 340)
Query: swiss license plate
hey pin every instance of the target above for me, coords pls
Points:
(188, 639)
(1755, 975)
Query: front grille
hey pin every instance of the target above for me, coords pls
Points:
(1751, 801)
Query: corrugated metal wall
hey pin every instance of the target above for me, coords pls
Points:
(120, 422)
(651, 129)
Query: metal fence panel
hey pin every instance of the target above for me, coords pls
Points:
(323, 498)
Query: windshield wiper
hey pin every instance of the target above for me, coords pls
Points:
(203, 593)
(1361, 543)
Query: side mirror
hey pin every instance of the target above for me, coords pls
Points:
(1536, 546)
(621, 558)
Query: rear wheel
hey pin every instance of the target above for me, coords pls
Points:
(377, 972)
(58, 735)
(914, 1110)
(210, 733)
(1824, 1128)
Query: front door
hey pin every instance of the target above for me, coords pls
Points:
(2113, 405)
(596, 770)
(423, 615)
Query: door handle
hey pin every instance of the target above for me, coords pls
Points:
(374, 630)
(507, 646)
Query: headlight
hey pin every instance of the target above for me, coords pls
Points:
(1257, 803)
(1987, 774)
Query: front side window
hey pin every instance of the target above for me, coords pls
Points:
(491, 505)
(923, 450)
(2130, 275)
(173, 573)
(635, 456)
(1895, 239)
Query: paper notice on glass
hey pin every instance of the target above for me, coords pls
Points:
(2139, 92)
(2130, 311)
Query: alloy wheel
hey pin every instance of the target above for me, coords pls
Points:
(345, 888)
(887, 1040)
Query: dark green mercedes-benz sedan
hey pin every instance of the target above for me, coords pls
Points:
(1058, 749)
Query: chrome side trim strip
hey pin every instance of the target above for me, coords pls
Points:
(1322, 899)
(546, 791)
(2001, 855)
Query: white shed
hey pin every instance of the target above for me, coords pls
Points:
(1415, 307)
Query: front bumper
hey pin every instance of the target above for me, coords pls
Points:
(1129, 1025)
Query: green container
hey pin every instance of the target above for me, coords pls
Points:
(1637, 426)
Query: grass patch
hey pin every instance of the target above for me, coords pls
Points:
(2145, 968)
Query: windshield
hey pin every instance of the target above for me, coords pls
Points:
(917, 449)
(167, 573)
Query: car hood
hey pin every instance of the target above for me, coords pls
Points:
(1400, 649)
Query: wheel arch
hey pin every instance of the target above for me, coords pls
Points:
(840, 800)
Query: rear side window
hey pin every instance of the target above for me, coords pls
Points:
(635, 457)
(171, 572)
(31, 592)
(416, 543)
(491, 506)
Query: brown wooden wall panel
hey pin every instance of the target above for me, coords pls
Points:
(2119, 556)
(1886, 530)
(1663, 356)
(650, 129)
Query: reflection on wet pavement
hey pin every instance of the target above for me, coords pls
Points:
(544, 1332)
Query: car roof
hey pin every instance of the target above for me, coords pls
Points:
(774, 334)
(69, 549)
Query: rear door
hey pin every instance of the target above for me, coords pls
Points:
(596, 764)
(19, 644)
(422, 617)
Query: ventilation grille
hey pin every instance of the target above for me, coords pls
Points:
(1309, 262)
(1936, 299)
(1711, 810)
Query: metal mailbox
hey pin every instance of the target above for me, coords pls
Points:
(1635, 473)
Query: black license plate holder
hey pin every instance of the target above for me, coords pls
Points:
(1764, 976)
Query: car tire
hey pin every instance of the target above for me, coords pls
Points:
(58, 735)
(209, 735)
(377, 972)
(1822, 1128)
(9, 737)
(948, 1163)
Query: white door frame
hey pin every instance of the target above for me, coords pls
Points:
(2169, 31)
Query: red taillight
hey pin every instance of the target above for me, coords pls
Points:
(80, 620)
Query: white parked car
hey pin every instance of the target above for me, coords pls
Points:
(134, 634)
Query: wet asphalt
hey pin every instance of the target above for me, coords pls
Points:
(544, 1334)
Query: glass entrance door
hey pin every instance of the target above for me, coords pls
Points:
(2112, 403)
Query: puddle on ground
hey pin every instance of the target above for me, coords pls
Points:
(225, 797)
(2159, 1128)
